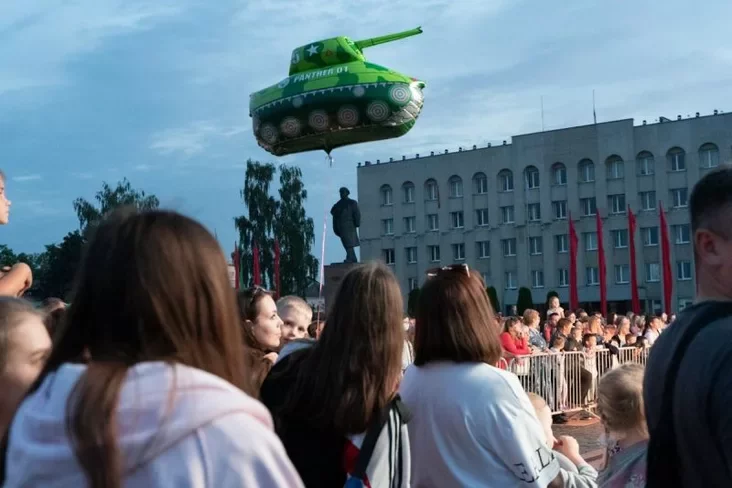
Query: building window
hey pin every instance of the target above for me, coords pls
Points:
(592, 276)
(559, 209)
(408, 192)
(588, 206)
(536, 245)
(434, 253)
(510, 280)
(430, 190)
(456, 187)
(410, 225)
(586, 171)
(561, 243)
(622, 274)
(481, 216)
(507, 215)
(590, 241)
(389, 256)
(653, 272)
(537, 279)
(563, 277)
(685, 302)
(680, 197)
(458, 222)
(433, 222)
(650, 236)
(615, 168)
(505, 180)
(683, 270)
(645, 163)
(647, 200)
(620, 238)
(531, 175)
(534, 212)
(484, 249)
(413, 284)
(411, 255)
(559, 174)
(682, 233)
(509, 247)
(387, 227)
(676, 159)
(616, 203)
(480, 180)
(709, 155)
(386, 195)
(458, 252)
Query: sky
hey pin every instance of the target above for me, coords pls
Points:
(158, 91)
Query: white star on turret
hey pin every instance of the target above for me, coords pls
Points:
(312, 50)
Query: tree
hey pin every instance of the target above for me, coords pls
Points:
(413, 302)
(524, 300)
(258, 225)
(108, 199)
(493, 297)
(58, 265)
(295, 233)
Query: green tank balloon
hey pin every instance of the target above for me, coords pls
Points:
(333, 97)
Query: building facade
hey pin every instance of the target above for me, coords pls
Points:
(504, 209)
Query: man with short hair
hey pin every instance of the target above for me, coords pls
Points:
(688, 385)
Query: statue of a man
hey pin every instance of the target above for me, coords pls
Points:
(346, 221)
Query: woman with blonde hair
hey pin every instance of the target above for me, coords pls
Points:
(620, 405)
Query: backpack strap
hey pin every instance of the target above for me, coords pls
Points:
(373, 432)
(662, 470)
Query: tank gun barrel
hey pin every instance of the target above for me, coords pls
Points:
(375, 41)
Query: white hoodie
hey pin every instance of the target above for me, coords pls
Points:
(178, 426)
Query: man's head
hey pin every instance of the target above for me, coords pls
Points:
(710, 206)
(296, 316)
(4, 202)
(344, 192)
(553, 318)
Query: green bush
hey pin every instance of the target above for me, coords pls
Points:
(493, 297)
(524, 300)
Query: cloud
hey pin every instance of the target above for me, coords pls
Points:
(50, 33)
(24, 178)
(193, 138)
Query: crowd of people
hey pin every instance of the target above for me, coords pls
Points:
(159, 374)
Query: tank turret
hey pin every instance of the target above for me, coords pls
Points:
(338, 50)
(334, 97)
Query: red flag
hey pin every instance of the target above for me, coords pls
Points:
(665, 260)
(237, 265)
(277, 268)
(573, 294)
(601, 263)
(256, 275)
(635, 301)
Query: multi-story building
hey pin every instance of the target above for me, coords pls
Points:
(504, 209)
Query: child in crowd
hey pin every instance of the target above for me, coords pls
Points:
(296, 316)
(15, 278)
(575, 471)
(589, 341)
(631, 340)
(620, 406)
(559, 376)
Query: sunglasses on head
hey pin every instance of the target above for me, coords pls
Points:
(453, 268)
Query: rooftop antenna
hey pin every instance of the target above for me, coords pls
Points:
(594, 112)
(542, 113)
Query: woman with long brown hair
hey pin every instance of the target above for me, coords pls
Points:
(325, 396)
(158, 399)
(262, 329)
(472, 423)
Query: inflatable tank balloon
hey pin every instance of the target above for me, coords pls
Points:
(333, 97)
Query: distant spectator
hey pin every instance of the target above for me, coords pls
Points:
(53, 319)
(653, 330)
(315, 329)
(513, 340)
(554, 308)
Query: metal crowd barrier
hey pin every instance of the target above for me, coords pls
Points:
(568, 380)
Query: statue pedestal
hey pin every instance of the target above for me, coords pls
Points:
(334, 274)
